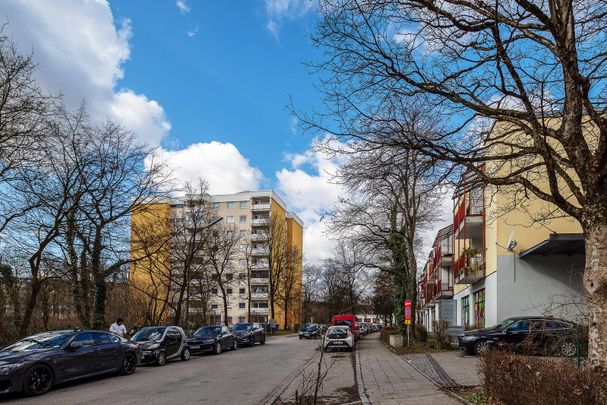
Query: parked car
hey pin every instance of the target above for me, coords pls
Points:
(347, 320)
(249, 333)
(338, 338)
(524, 334)
(34, 364)
(310, 330)
(160, 344)
(213, 339)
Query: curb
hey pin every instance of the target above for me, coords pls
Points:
(360, 382)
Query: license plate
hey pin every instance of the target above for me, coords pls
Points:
(195, 347)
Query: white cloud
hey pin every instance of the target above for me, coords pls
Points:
(183, 7)
(310, 194)
(279, 10)
(221, 164)
(80, 49)
(192, 33)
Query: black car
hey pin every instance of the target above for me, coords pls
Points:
(524, 334)
(212, 339)
(162, 343)
(310, 330)
(34, 364)
(249, 334)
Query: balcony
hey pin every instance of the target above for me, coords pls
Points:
(256, 237)
(260, 296)
(443, 290)
(260, 311)
(260, 207)
(469, 269)
(260, 266)
(260, 281)
(259, 252)
(261, 221)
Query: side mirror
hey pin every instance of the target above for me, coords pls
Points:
(73, 346)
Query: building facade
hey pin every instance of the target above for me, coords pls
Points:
(503, 256)
(255, 217)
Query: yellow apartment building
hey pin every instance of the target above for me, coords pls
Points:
(252, 214)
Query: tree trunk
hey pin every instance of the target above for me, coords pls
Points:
(595, 283)
(225, 307)
(286, 324)
(99, 280)
(29, 308)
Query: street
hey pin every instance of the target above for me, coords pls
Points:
(246, 376)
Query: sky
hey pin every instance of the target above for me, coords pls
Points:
(207, 83)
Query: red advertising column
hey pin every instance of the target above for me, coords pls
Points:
(408, 319)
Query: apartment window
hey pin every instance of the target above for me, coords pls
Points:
(231, 204)
(214, 291)
(216, 205)
(466, 311)
(243, 233)
(229, 319)
(479, 309)
(228, 291)
(241, 305)
(214, 306)
(242, 276)
(244, 204)
(243, 219)
(243, 247)
(229, 277)
(242, 262)
(260, 305)
(241, 319)
(230, 219)
(241, 291)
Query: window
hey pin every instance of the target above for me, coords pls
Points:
(229, 277)
(241, 291)
(241, 305)
(243, 247)
(520, 326)
(85, 339)
(103, 338)
(260, 305)
(230, 219)
(214, 291)
(479, 309)
(214, 306)
(243, 233)
(244, 204)
(241, 319)
(228, 291)
(215, 205)
(243, 219)
(229, 319)
(231, 204)
(242, 262)
(466, 311)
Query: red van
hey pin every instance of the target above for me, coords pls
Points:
(346, 320)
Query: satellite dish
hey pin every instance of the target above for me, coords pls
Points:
(511, 242)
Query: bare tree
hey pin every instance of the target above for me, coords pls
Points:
(222, 247)
(288, 294)
(536, 68)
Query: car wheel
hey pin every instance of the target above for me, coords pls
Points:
(568, 349)
(481, 347)
(300, 337)
(251, 341)
(235, 345)
(161, 360)
(263, 340)
(38, 380)
(129, 364)
(185, 354)
(217, 348)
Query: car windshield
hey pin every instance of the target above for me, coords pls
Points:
(503, 324)
(208, 331)
(343, 322)
(40, 341)
(310, 326)
(149, 334)
(337, 332)
(242, 326)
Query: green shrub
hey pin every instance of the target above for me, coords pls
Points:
(441, 333)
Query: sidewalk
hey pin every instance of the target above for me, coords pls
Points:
(449, 369)
(388, 379)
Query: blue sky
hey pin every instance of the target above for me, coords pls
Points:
(228, 80)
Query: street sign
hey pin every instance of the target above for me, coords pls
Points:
(408, 312)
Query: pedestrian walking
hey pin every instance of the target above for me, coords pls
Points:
(118, 327)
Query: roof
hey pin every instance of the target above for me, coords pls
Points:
(557, 244)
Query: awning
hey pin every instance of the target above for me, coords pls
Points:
(558, 244)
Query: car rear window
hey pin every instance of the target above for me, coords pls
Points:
(343, 322)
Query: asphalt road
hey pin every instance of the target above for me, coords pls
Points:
(245, 376)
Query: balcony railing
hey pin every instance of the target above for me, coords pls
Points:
(259, 236)
(260, 207)
(259, 252)
(443, 290)
(258, 281)
(260, 311)
(260, 296)
(260, 266)
(469, 270)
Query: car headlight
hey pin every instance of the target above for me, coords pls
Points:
(4, 370)
(468, 338)
(154, 346)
